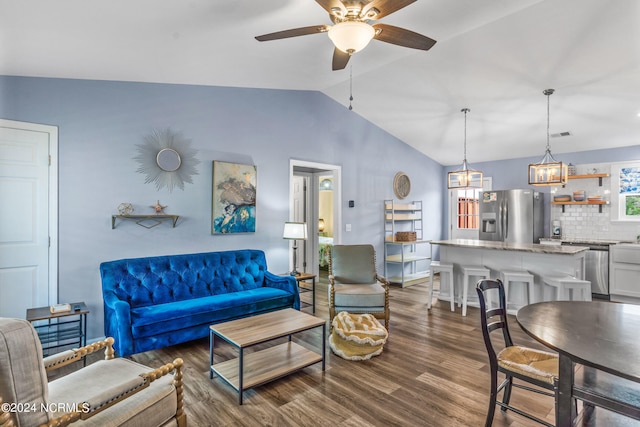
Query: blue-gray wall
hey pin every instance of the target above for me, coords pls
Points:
(101, 122)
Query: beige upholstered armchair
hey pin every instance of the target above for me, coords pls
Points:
(110, 392)
(354, 284)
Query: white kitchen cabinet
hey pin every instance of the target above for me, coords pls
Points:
(624, 271)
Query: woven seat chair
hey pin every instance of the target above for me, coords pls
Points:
(111, 392)
(354, 284)
(536, 367)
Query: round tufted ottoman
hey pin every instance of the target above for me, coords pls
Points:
(357, 336)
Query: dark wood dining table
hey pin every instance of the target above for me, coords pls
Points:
(603, 337)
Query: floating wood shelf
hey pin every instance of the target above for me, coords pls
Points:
(586, 202)
(591, 175)
(146, 221)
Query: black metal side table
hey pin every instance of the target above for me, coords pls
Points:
(62, 329)
(303, 277)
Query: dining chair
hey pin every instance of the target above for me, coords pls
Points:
(536, 367)
(354, 284)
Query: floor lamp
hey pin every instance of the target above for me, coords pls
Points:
(295, 231)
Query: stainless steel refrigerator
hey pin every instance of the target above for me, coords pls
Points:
(515, 216)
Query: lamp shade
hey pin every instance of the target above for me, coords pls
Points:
(351, 36)
(295, 231)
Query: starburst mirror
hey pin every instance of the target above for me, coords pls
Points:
(167, 159)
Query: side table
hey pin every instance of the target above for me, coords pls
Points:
(303, 277)
(61, 329)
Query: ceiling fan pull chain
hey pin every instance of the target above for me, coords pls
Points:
(350, 86)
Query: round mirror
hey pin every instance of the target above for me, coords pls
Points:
(168, 160)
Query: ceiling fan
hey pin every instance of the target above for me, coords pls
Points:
(352, 29)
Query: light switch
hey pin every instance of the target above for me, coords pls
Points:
(347, 227)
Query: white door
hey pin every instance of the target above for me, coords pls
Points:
(27, 266)
(463, 211)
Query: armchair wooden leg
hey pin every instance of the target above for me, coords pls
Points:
(5, 417)
(181, 417)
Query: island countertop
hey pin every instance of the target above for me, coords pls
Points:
(504, 246)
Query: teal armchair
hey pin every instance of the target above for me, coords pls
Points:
(354, 284)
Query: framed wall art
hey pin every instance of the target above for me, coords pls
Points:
(233, 207)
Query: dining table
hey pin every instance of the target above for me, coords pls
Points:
(599, 353)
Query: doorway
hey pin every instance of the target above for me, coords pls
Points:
(464, 211)
(28, 230)
(310, 202)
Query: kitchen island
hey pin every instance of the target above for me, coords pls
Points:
(497, 256)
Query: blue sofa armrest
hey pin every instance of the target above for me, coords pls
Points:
(117, 324)
(286, 283)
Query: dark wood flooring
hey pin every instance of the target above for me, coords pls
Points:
(433, 372)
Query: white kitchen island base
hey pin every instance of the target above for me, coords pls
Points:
(538, 259)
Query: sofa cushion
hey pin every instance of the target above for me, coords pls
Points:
(152, 406)
(157, 280)
(358, 295)
(160, 318)
(353, 264)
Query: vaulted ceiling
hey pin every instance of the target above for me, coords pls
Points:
(492, 56)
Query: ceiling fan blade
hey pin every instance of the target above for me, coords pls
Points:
(295, 32)
(340, 59)
(329, 5)
(386, 7)
(401, 37)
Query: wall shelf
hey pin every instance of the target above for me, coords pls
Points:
(409, 260)
(599, 176)
(146, 221)
(592, 175)
(600, 204)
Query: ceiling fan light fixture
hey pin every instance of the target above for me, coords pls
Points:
(351, 36)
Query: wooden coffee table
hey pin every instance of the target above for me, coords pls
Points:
(259, 367)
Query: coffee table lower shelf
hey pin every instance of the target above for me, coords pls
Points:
(266, 365)
(254, 368)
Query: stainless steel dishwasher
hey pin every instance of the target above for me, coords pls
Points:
(596, 267)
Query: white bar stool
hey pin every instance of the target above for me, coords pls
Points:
(442, 267)
(565, 283)
(469, 271)
(519, 276)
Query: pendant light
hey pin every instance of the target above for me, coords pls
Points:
(464, 178)
(548, 171)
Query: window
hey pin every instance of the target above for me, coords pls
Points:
(467, 209)
(625, 192)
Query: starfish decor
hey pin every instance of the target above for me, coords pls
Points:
(158, 208)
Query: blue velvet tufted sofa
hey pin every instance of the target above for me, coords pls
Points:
(154, 302)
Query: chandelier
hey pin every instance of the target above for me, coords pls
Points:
(464, 178)
(548, 171)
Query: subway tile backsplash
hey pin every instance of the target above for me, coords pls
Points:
(586, 221)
